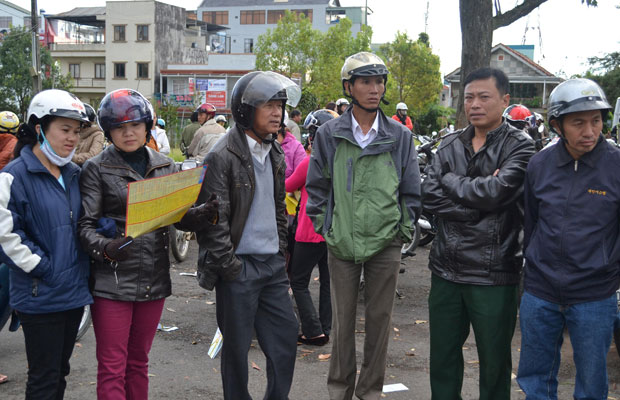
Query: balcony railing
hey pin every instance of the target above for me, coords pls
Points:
(88, 83)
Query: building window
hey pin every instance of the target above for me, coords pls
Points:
(252, 17)
(27, 22)
(99, 71)
(143, 70)
(143, 33)
(119, 70)
(307, 13)
(523, 90)
(6, 22)
(74, 70)
(273, 16)
(119, 33)
(248, 46)
(215, 17)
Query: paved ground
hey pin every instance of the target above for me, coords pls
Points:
(181, 369)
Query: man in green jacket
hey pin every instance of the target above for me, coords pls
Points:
(364, 197)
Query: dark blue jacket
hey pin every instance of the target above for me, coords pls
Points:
(572, 221)
(38, 237)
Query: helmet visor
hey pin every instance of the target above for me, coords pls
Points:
(270, 85)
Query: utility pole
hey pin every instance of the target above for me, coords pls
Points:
(426, 17)
(35, 71)
(366, 13)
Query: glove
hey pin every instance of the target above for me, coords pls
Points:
(118, 249)
(205, 214)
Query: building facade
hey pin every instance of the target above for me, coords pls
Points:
(12, 15)
(530, 83)
(247, 19)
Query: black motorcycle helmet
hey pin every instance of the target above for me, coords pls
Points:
(121, 106)
(90, 112)
(257, 88)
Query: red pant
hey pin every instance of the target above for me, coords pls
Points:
(124, 331)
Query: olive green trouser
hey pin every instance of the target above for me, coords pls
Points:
(492, 312)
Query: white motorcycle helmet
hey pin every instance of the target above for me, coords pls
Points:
(341, 101)
(401, 106)
(56, 103)
(575, 95)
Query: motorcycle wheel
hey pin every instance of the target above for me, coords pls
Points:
(408, 249)
(179, 244)
(84, 323)
(426, 236)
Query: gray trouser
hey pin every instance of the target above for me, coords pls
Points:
(258, 298)
(380, 276)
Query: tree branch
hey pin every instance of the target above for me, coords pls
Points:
(516, 13)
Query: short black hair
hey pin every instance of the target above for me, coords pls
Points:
(501, 80)
(194, 116)
(295, 113)
(331, 106)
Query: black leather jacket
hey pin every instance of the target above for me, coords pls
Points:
(479, 239)
(103, 184)
(230, 175)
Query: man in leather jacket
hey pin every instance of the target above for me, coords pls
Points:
(474, 186)
(242, 255)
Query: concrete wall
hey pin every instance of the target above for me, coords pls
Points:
(131, 14)
(169, 38)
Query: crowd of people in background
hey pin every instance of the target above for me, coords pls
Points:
(340, 191)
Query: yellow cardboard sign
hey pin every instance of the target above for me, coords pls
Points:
(156, 202)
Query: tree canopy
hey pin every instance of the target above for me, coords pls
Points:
(415, 78)
(15, 66)
(606, 72)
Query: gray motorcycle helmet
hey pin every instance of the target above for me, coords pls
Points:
(575, 95)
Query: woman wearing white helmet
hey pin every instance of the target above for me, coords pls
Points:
(9, 123)
(39, 207)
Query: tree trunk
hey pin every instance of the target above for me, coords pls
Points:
(477, 38)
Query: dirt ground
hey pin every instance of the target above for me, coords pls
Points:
(181, 369)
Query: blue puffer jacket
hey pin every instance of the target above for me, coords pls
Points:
(38, 237)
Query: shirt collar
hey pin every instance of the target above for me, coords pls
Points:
(358, 129)
(258, 150)
(590, 158)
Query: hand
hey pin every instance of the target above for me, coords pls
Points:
(496, 172)
(118, 249)
(204, 214)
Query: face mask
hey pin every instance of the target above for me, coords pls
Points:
(51, 154)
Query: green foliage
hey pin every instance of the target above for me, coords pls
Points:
(15, 66)
(434, 118)
(293, 48)
(333, 48)
(169, 114)
(308, 102)
(606, 72)
(415, 78)
(289, 48)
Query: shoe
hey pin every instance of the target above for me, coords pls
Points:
(3, 379)
(317, 341)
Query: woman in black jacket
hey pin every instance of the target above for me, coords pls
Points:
(130, 277)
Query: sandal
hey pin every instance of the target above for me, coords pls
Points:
(315, 341)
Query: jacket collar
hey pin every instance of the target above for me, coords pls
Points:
(238, 145)
(112, 159)
(590, 159)
(35, 166)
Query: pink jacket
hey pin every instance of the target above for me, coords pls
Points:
(305, 230)
(294, 153)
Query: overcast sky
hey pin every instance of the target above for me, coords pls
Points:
(565, 32)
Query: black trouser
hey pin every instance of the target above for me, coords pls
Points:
(307, 255)
(258, 298)
(49, 343)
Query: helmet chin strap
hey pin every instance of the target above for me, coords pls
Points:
(268, 139)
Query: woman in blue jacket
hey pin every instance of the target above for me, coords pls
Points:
(39, 207)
